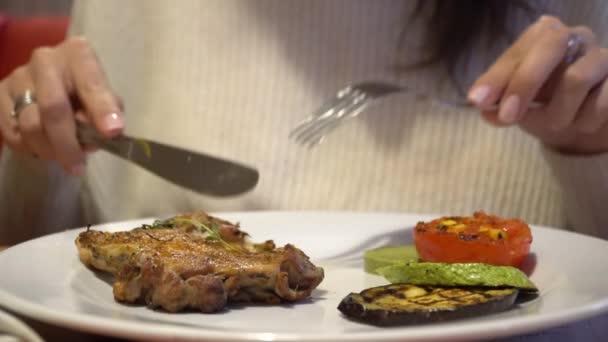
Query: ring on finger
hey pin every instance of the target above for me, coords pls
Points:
(574, 49)
(22, 101)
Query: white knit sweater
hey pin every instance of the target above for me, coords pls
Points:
(232, 77)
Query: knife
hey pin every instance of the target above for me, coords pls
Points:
(199, 172)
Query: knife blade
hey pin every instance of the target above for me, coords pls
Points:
(199, 172)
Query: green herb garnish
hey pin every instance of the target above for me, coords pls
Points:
(213, 232)
(159, 224)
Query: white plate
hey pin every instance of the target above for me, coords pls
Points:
(44, 279)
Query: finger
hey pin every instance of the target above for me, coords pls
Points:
(33, 133)
(533, 71)
(81, 117)
(8, 125)
(574, 86)
(594, 111)
(489, 87)
(93, 89)
(56, 113)
(588, 38)
(586, 41)
(491, 118)
(28, 119)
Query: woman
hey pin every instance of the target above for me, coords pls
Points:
(231, 78)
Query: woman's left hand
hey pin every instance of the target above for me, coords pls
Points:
(574, 117)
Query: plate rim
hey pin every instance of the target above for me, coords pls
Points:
(509, 326)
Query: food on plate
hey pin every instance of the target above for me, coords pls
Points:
(402, 304)
(459, 275)
(460, 267)
(374, 259)
(480, 238)
(197, 261)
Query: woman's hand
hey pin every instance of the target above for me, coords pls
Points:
(574, 118)
(68, 81)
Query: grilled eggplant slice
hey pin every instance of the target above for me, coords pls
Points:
(404, 304)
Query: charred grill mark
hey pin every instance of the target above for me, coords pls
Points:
(429, 296)
(160, 240)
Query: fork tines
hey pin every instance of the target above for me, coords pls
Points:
(348, 103)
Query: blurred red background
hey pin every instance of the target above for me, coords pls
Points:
(19, 36)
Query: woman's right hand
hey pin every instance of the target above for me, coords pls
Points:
(68, 81)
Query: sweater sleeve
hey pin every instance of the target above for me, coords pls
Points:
(37, 198)
(584, 180)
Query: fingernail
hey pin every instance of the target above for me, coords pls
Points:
(114, 123)
(509, 110)
(479, 94)
(78, 170)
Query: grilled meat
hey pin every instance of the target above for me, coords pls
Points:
(176, 265)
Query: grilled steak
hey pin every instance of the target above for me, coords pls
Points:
(196, 261)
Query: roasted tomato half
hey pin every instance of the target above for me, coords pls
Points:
(480, 238)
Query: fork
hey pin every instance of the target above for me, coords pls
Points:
(351, 101)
